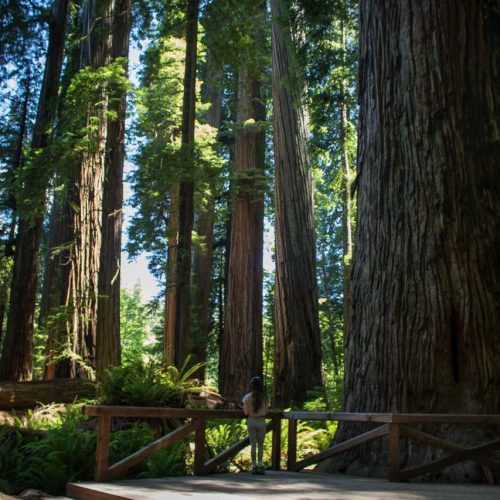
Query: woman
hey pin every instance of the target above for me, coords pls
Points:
(255, 408)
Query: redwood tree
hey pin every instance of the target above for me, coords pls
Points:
(241, 353)
(424, 335)
(108, 310)
(178, 290)
(298, 348)
(87, 194)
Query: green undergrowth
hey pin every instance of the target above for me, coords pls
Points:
(46, 448)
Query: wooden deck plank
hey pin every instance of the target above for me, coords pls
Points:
(282, 485)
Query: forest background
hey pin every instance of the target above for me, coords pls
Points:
(244, 117)
(56, 177)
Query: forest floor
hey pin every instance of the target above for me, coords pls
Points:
(280, 485)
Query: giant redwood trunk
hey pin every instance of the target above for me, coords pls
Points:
(426, 279)
(108, 349)
(241, 353)
(178, 291)
(298, 348)
(88, 196)
(17, 348)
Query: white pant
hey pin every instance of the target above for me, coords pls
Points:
(256, 432)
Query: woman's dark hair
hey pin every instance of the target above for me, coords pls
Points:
(257, 390)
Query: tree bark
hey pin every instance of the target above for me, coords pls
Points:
(22, 395)
(108, 350)
(298, 347)
(178, 300)
(426, 279)
(17, 348)
(241, 354)
(54, 313)
(203, 257)
(86, 196)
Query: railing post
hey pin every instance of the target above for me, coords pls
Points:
(102, 450)
(276, 448)
(393, 457)
(292, 444)
(199, 448)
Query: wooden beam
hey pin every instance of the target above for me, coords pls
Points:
(160, 412)
(137, 457)
(199, 448)
(292, 445)
(276, 446)
(444, 418)
(102, 449)
(481, 458)
(393, 458)
(383, 430)
(348, 417)
(475, 453)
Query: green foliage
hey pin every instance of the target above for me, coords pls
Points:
(85, 108)
(237, 33)
(136, 328)
(161, 158)
(166, 462)
(147, 384)
(220, 435)
(12, 457)
(64, 454)
(45, 449)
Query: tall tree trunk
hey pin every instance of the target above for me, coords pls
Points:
(424, 335)
(17, 348)
(54, 313)
(178, 301)
(108, 350)
(17, 161)
(347, 243)
(86, 197)
(298, 346)
(203, 255)
(54, 304)
(241, 355)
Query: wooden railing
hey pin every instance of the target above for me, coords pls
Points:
(392, 425)
(197, 423)
(396, 426)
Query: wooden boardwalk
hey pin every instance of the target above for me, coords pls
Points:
(278, 485)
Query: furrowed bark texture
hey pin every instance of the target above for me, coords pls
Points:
(54, 313)
(241, 355)
(426, 278)
(203, 257)
(88, 197)
(18, 344)
(298, 348)
(108, 349)
(53, 306)
(178, 305)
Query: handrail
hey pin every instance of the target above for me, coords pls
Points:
(394, 426)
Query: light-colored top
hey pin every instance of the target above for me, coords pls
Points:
(248, 406)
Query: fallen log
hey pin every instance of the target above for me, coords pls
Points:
(21, 395)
